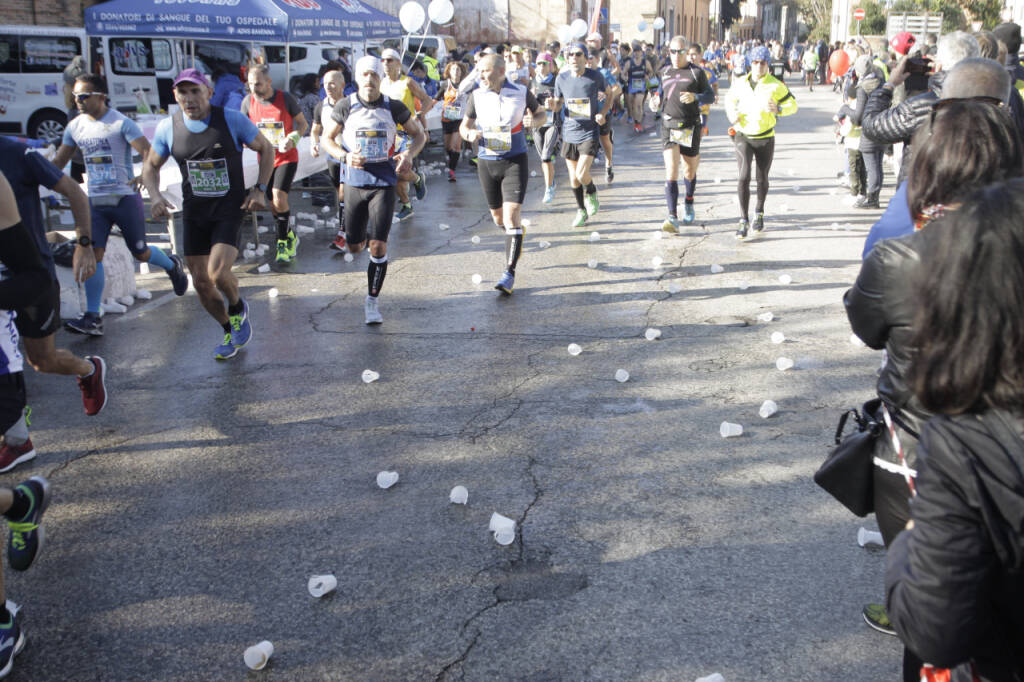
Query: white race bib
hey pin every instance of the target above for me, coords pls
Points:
(498, 139)
(451, 112)
(579, 107)
(102, 172)
(681, 136)
(272, 130)
(373, 145)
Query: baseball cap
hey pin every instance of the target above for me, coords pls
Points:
(579, 46)
(391, 53)
(545, 57)
(902, 42)
(192, 76)
(369, 63)
(517, 48)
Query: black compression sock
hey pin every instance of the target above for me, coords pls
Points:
(591, 189)
(237, 307)
(375, 272)
(513, 248)
(578, 193)
(691, 186)
(453, 160)
(227, 327)
(672, 196)
(341, 215)
(282, 224)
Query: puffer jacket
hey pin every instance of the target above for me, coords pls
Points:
(887, 125)
(955, 582)
(880, 307)
(865, 86)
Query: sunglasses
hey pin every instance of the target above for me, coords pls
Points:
(676, 51)
(577, 54)
(389, 59)
(82, 96)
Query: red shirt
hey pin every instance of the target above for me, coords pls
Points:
(275, 119)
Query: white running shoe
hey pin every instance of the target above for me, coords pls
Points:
(373, 315)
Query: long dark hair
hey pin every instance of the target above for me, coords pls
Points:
(967, 144)
(969, 328)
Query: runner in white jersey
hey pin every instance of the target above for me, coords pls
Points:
(106, 138)
(334, 86)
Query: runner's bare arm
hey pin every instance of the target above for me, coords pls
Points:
(64, 154)
(419, 93)
(329, 140)
(159, 207)
(84, 260)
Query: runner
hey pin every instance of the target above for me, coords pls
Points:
(809, 62)
(606, 128)
(634, 69)
(452, 109)
(695, 56)
(206, 142)
(334, 86)
(278, 116)
(547, 137)
(106, 138)
(502, 109)
(752, 105)
(407, 91)
(684, 88)
(578, 89)
(368, 122)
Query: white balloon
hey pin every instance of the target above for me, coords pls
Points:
(564, 34)
(412, 16)
(440, 11)
(579, 28)
(659, 24)
(642, 26)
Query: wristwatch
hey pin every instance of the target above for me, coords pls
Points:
(83, 241)
(261, 187)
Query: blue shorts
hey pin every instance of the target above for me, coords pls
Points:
(129, 218)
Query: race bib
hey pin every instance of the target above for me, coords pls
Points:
(579, 107)
(272, 130)
(102, 172)
(374, 145)
(208, 178)
(681, 136)
(498, 139)
(654, 82)
(636, 84)
(451, 112)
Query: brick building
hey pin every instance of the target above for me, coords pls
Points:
(69, 13)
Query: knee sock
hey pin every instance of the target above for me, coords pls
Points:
(513, 247)
(672, 196)
(94, 290)
(341, 216)
(591, 189)
(453, 160)
(17, 434)
(282, 224)
(375, 272)
(158, 258)
(690, 186)
(578, 193)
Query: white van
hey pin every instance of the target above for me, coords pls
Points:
(32, 61)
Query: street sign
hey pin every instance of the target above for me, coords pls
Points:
(858, 13)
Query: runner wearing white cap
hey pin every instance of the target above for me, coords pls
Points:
(403, 89)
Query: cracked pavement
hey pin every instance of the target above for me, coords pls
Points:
(189, 515)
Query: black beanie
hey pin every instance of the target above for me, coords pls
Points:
(1009, 33)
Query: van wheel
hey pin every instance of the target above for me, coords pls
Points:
(48, 125)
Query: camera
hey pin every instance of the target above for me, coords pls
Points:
(919, 65)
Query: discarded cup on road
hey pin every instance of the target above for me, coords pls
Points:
(656, 262)
(477, 278)
(263, 229)
(621, 376)
(264, 269)
(716, 269)
(768, 408)
(652, 333)
(525, 222)
(784, 208)
(475, 239)
(247, 254)
(718, 180)
(713, 677)
(869, 537)
(730, 430)
(386, 479)
(325, 209)
(543, 244)
(144, 268)
(144, 294)
(765, 317)
(782, 364)
(595, 236)
(744, 286)
(778, 337)
(785, 279)
(675, 288)
(258, 655)
(855, 340)
(499, 522)
(796, 188)
(369, 376)
(574, 349)
(273, 292)
(349, 257)
(319, 585)
(250, 246)
(458, 495)
(592, 263)
(533, 174)
(444, 226)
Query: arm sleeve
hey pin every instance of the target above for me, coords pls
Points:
(243, 131)
(130, 130)
(163, 138)
(471, 108)
(399, 112)
(865, 301)
(292, 105)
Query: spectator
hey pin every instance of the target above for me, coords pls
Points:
(228, 89)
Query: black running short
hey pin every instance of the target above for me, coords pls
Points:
(693, 149)
(12, 399)
(334, 170)
(201, 233)
(42, 318)
(448, 127)
(282, 178)
(503, 180)
(574, 150)
(368, 212)
(606, 127)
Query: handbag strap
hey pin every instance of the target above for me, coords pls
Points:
(908, 473)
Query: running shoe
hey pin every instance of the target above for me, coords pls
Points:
(472, 160)
(758, 224)
(637, 128)
(13, 455)
(89, 323)
(282, 251)
(609, 174)
(405, 212)
(549, 194)
(179, 280)
(581, 218)
(12, 641)
(741, 230)
(593, 205)
(876, 617)
(26, 537)
(293, 244)
(451, 175)
(421, 187)
(339, 244)
(506, 283)
(671, 225)
(688, 215)
(226, 349)
(372, 311)
(94, 389)
(241, 329)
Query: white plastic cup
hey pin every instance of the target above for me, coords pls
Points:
(656, 262)
(144, 294)
(718, 180)
(730, 430)
(144, 268)
(386, 479)
(443, 226)
(675, 288)
(543, 244)
(499, 522)
(765, 317)
(595, 236)
(782, 364)
(744, 286)
(477, 278)
(533, 174)
(768, 408)
(319, 585)
(250, 246)
(475, 239)
(247, 254)
(458, 495)
(785, 279)
(716, 269)
(869, 537)
(621, 376)
(525, 222)
(592, 263)
(778, 337)
(369, 376)
(349, 257)
(652, 333)
(713, 677)
(273, 292)
(264, 269)
(505, 537)
(574, 349)
(325, 209)
(258, 655)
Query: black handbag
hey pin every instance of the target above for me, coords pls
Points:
(847, 473)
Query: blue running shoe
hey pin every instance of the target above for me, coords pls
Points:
(241, 330)
(12, 641)
(225, 350)
(405, 212)
(179, 280)
(26, 535)
(549, 195)
(506, 283)
(688, 214)
(421, 187)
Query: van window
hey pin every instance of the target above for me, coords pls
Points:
(162, 60)
(48, 54)
(275, 54)
(9, 56)
(131, 56)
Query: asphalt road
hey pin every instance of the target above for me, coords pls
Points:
(189, 515)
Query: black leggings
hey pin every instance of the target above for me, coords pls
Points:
(747, 150)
